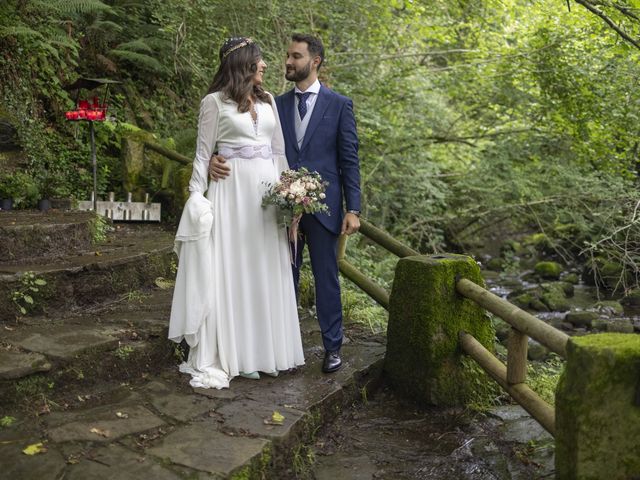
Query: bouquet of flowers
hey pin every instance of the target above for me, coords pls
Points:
(295, 193)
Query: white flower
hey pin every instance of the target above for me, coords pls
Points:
(297, 188)
(322, 196)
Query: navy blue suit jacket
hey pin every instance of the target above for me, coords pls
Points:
(330, 147)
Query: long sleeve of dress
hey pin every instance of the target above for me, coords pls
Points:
(207, 136)
(277, 141)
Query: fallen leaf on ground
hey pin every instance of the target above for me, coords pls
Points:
(34, 448)
(122, 415)
(97, 431)
(164, 283)
(276, 419)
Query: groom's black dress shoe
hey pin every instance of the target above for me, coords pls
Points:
(332, 362)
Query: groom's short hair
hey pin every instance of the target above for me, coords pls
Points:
(315, 46)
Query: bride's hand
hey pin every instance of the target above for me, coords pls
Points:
(218, 168)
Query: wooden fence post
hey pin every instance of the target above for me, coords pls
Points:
(598, 408)
(424, 360)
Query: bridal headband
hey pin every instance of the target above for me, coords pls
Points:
(243, 43)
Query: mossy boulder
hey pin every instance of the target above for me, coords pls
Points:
(632, 298)
(554, 297)
(609, 307)
(496, 264)
(572, 278)
(597, 418)
(581, 319)
(620, 325)
(548, 270)
(607, 274)
(426, 315)
(540, 242)
(511, 247)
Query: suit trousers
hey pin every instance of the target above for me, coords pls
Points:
(322, 246)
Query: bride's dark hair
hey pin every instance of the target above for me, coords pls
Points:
(239, 57)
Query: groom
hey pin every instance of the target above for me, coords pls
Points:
(320, 134)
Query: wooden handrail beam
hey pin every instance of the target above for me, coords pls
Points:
(530, 401)
(552, 338)
(371, 288)
(170, 154)
(385, 240)
(517, 344)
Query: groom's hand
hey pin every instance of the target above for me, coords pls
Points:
(218, 168)
(350, 224)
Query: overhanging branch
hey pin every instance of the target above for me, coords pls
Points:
(596, 11)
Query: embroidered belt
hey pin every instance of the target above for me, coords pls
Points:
(246, 151)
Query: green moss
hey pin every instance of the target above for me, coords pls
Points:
(426, 315)
(548, 270)
(553, 296)
(597, 421)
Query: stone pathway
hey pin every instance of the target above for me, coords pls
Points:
(159, 427)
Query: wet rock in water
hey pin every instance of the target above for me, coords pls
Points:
(620, 325)
(567, 288)
(496, 264)
(522, 300)
(632, 299)
(536, 351)
(600, 324)
(609, 308)
(510, 246)
(554, 297)
(490, 275)
(572, 278)
(537, 305)
(548, 270)
(606, 274)
(581, 319)
(540, 241)
(557, 322)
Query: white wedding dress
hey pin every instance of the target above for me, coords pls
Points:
(234, 301)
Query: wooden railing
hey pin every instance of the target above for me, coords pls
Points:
(387, 242)
(510, 377)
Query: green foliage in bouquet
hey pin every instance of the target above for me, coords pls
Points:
(297, 192)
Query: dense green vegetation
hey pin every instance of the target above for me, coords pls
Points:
(516, 115)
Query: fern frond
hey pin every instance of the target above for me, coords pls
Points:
(138, 45)
(103, 25)
(140, 59)
(80, 6)
(61, 39)
(20, 31)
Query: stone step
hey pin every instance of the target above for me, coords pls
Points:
(132, 257)
(47, 356)
(157, 426)
(32, 235)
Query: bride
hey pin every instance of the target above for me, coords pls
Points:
(234, 300)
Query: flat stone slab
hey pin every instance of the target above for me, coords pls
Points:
(257, 418)
(201, 447)
(105, 423)
(18, 364)
(180, 406)
(335, 467)
(15, 465)
(65, 341)
(113, 462)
